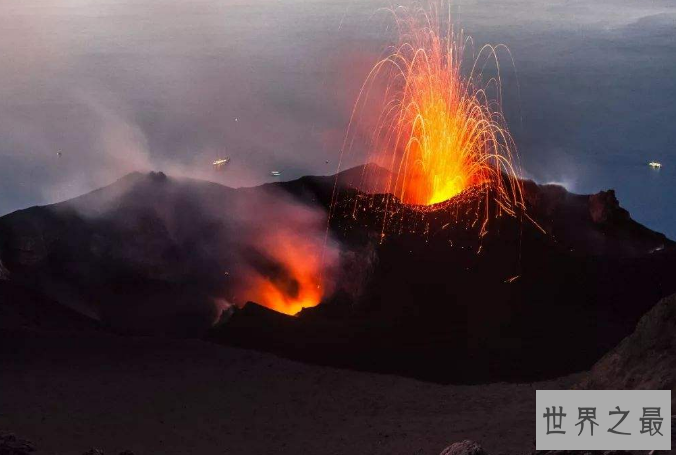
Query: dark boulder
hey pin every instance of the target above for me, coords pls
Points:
(465, 447)
(10, 444)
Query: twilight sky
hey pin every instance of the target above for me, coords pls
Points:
(124, 85)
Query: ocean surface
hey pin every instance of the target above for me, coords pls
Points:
(93, 90)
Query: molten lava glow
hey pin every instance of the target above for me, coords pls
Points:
(290, 277)
(439, 132)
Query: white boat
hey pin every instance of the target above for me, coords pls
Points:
(655, 165)
(275, 173)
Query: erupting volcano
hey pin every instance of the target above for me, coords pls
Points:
(440, 132)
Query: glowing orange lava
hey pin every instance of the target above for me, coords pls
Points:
(290, 275)
(439, 131)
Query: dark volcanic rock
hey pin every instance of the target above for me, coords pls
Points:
(444, 304)
(468, 447)
(604, 207)
(144, 254)
(12, 445)
(646, 359)
(4, 273)
(579, 452)
(431, 298)
(22, 308)
(465, 447)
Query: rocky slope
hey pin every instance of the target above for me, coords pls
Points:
(426, 296)
(646, 359)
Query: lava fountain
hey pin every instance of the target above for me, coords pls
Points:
(439, 131)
